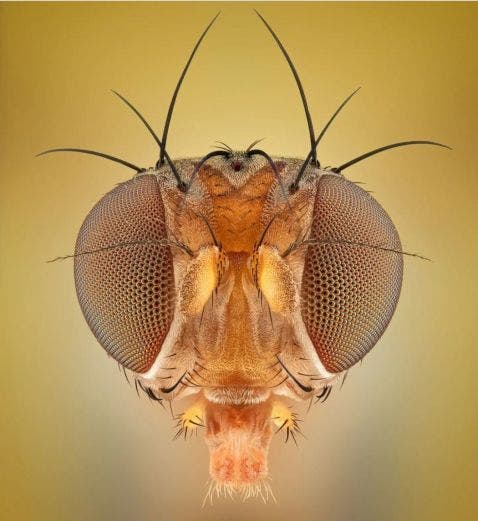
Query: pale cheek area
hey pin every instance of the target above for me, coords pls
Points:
(276, 281)
(199, 281)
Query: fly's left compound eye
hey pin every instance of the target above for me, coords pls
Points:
(352, 274)
(124, 273)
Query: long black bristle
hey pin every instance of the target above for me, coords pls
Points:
(299, 85)
(295, 184)
(365, 245)
(94, 153)
(140, 116)
(176, 90)
(382, 149)
(334, 115)
(181, 184)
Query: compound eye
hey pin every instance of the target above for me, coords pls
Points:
(351, 281)
(124, 273)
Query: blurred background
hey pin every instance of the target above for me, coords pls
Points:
(399, 441)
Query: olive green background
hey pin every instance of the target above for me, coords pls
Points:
(399, 441)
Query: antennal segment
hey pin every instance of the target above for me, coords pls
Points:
(299, 85)
(176, 91)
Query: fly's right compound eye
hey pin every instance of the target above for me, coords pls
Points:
(352, 273)
(124, 273)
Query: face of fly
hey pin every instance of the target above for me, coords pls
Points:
(241, 280)
(239, 291)
(237, 340)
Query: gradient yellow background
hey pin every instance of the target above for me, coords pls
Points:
(399, 441)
